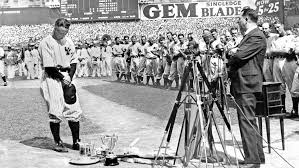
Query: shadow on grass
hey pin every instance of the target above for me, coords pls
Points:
(42, 143)
(217, 156)
(238, 144)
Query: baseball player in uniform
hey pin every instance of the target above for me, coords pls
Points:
(294, 51)
(133, 54)
(127, 59)
(106, 52)
(163, 61)
(177, 64)
(119, 62)
(37, 62)
(95, 52)
(84, 57)
(143, 45)
(59, 63)
(268, 61)
(11, 60)
(283, 69)
(151, 62)
(2, 57)
(21, 64)
(78, 54)
(30, 62)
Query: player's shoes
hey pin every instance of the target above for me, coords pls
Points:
(5, 84)
(60, 147)
(76, 146)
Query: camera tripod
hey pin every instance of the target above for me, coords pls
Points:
(195, 135)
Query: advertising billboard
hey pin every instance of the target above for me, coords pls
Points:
(201, 9)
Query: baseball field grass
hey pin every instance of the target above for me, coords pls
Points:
(23, 114)
(147, 99)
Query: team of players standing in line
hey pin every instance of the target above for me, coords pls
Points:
(157, 57)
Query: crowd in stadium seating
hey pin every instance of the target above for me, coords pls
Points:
(13, 35)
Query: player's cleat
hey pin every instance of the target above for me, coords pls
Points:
(5, 84)
(76, 146)
(60, 147)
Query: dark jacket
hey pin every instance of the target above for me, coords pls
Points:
(246, 67)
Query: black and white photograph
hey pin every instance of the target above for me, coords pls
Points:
(149, 83)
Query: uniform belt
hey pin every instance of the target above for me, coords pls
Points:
(134, 56)
(269, 57)
(151, 58)
(62, 69)
(279, 57)
(118, 56)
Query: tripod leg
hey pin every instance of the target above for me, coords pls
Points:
(155, 162)
(221, 140)
(179, 141)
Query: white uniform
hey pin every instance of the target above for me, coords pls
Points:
(84, 56)
(2, 62)
(151, 62)
(78, 69)
(29, 62)
(106, 53)
(95, 53)
(54, 54)
(119, 61)
(37, 64)
(11, 64)
(21, 65)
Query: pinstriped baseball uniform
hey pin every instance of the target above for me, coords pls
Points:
(2, 62)
(54, 54)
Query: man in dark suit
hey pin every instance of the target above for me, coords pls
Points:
(246, 74)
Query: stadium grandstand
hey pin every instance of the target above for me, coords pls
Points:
(22, 20)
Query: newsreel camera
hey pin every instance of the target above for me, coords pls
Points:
(196, 131)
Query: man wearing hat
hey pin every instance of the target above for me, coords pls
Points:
(59, 62)
(2, 56)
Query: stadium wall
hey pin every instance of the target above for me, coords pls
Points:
(28, 16)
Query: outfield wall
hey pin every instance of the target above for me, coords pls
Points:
(25, 16)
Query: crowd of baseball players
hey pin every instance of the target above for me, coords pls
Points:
(159, 59)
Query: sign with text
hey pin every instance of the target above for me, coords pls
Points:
(229, 8)
(270, 8)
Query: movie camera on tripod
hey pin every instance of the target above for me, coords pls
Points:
(196, 133)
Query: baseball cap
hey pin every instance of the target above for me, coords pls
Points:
(69, 94)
